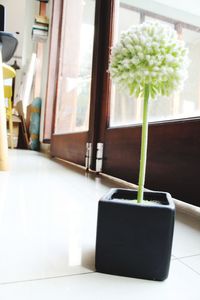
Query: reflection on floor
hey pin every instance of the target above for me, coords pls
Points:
(47, 236)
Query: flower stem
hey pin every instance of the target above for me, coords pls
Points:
(144, 141)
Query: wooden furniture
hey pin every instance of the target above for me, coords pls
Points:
(8, 73)
(8, 44)
(3, 130)
(8, 96)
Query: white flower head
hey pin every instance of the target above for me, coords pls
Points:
(149, 53)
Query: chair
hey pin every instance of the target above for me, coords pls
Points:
(8, 44)
(8, 95)
(8, 73)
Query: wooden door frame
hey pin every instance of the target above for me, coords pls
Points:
(72, 146)
(62, 143)
(100, 86)
(52, 80)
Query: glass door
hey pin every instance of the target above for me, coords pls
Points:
(74, 81)
(89, 108)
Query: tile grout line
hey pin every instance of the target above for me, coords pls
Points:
(45, 278)
(187, 256)
(188, 267)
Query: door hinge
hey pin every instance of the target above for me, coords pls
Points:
(99, 157)
(88, 154)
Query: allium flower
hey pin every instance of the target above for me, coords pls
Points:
(149, 53)
(148, 60)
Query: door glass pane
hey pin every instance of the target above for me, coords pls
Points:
(123, 109)
(126, 110)
(73, 98)
(189, 99)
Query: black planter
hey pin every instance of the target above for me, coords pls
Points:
(135, 240)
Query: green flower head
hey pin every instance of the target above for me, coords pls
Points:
(149, 53)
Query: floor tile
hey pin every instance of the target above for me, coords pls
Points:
(186, 236)
(193, 262)
(182, 284)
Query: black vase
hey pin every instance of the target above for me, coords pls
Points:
(135, 240)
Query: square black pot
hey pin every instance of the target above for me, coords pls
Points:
(135, 240)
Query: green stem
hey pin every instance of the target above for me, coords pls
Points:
(143, 153)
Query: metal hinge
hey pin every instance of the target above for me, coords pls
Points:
(88, 154)
(99, 157)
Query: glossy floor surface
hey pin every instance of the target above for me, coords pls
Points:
(47, 238)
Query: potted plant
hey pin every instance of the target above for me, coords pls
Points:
(135, 228)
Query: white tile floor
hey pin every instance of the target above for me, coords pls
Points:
(47, 238)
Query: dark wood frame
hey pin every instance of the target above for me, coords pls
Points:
(100, 79)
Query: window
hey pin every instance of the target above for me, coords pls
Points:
(126, 110)
(123, 108)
